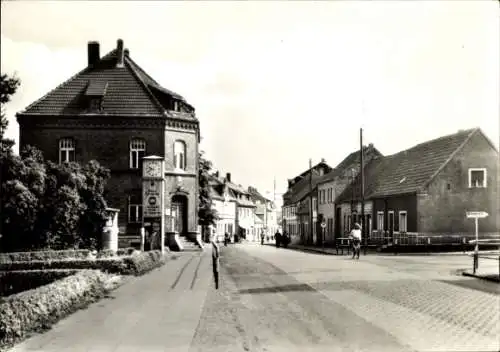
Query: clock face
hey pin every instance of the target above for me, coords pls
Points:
(153, 169)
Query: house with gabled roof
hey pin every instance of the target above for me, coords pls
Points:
(234, 205)
(297, 202)
(425, 191)
(333, 184)
(114, 112)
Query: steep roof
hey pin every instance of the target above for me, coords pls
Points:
(126, 91)
(351, 161)
(409, 170)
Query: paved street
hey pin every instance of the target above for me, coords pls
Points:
(276, 299)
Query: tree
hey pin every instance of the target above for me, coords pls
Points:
(207, 215)
(8, 87)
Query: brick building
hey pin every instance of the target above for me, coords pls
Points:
(425, 191)
(114, 112)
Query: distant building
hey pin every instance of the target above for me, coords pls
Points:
(266, 216)
(427, 190)
(114, 112)
(234, 207)
(331, 185)
(296, 204)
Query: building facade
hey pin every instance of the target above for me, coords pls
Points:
(424, 192)
(114, 112)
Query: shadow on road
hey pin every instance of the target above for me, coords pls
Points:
(274, 289)
(476, 284)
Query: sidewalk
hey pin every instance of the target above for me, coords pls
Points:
(148, 313)
(370, 251)
(488, 269)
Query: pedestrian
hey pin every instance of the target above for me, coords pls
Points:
(215, 261)
(226, 239)
(277, 238)
(262, 237)
(356, 240)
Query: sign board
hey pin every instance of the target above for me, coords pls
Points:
(323, 224)
(152, 202)
(476, 214)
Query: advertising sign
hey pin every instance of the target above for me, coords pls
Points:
(152, 202)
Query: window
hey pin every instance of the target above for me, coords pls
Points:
(66, 150)
(180, 155)
(137, 152)
(477, 178)
(95, 104)
(402, 221)
(135, 213)
(380, 221)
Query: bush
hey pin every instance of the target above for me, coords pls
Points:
(43, 255)
(12, 282)
(144, 262)
(127, 251)
(108, 253)
(135, 264)
(35, 310)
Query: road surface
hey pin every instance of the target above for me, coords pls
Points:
(285, 300)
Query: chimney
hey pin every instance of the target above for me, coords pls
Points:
(322, 160)
(126, 52)
(228, 177)
(93, 53)
(119, 53)
(217, 174)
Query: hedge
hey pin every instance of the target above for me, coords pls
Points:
(136, 264)
(44, 255)
(12, 282)
(34, 310)
(108, 253)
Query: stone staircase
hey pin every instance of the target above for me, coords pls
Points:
(188, 245)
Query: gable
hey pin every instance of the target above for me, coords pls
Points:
(123, 90)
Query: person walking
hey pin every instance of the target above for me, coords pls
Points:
(215, 261)
(226, 239)
(356, 240)
(262, 235)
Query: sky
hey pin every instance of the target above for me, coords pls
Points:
(275, 84)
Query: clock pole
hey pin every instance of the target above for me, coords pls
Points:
(153, 199)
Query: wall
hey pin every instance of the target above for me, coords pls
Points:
(326, 207)
(109, 146)
(190, 138)
(406, 203)
(442, 210)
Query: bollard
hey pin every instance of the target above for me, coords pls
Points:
(475, 263)
(464, 247)
(428, 244)
(395, 247)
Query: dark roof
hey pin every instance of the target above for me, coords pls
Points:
(351, 161)
(410, 170)
(126, 91)
(302, 188)
(256, 195)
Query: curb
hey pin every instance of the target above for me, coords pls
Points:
(482, 277)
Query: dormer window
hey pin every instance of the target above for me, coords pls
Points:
(95, 93)
(176, 106)
(95, 104)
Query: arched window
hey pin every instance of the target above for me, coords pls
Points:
(66, 150)
(180, 155)
(137, 152)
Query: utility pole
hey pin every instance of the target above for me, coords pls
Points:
(363, 232)
(310, 202)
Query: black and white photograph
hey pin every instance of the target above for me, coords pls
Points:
(262, 176)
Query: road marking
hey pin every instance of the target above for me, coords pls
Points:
(421, 331)
(195, 276)
(181, 272)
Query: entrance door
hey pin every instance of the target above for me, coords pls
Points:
(337, 223)
(179, 213)
(391, 224)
